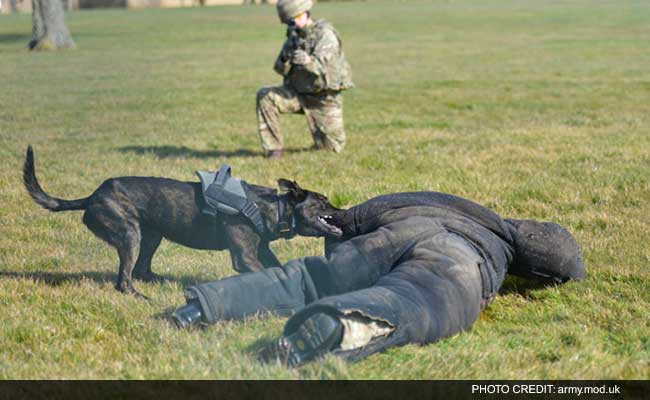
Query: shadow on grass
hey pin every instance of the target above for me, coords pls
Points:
(184, 151)
(166, 315)
(55, 279)
(60, 278)
(523, 287)
(256, 347)
(15, 37)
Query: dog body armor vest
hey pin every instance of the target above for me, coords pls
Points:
(228, 195)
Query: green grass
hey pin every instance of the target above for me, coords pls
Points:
(536, 109)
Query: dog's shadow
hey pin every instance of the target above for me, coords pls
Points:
(184, 151)
(56, 279)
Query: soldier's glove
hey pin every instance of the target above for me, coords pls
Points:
(300, 57)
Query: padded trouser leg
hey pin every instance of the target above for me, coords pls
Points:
(280, 291)
(435, 292)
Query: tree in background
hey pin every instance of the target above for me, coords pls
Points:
(49, 31)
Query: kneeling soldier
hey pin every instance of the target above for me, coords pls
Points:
(315, 73)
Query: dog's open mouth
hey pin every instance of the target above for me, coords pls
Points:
(327, 222)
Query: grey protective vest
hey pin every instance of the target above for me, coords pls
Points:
(228, 195)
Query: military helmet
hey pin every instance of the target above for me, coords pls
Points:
(288, 9)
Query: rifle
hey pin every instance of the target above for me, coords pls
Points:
(295, 41)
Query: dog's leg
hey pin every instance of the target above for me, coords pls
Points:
(148, 245)
(266, 255)
(116, 224)
(127, 261)
(243, 242)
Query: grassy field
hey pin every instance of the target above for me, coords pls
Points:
(536, 109)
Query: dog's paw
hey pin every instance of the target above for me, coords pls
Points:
(130, 290)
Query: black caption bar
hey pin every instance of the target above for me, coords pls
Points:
(329, 390)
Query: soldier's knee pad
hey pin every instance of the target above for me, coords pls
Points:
(545, 250)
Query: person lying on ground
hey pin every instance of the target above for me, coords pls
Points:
(405, 268)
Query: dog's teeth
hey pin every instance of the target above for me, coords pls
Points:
(325, 220)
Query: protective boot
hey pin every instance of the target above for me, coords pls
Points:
(188, 316)
(316, 336)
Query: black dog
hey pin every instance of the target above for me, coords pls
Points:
(133, 214)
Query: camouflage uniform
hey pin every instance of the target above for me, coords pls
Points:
(313, 89)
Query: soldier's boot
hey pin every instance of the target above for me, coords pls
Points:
(188, 316)
(275, 154)
(315, 337)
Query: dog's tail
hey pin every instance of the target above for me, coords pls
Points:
(38, 194)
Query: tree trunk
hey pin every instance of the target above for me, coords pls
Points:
(49, 31)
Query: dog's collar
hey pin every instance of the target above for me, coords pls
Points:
(286, 222)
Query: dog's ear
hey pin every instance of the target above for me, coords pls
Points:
(292, 188)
